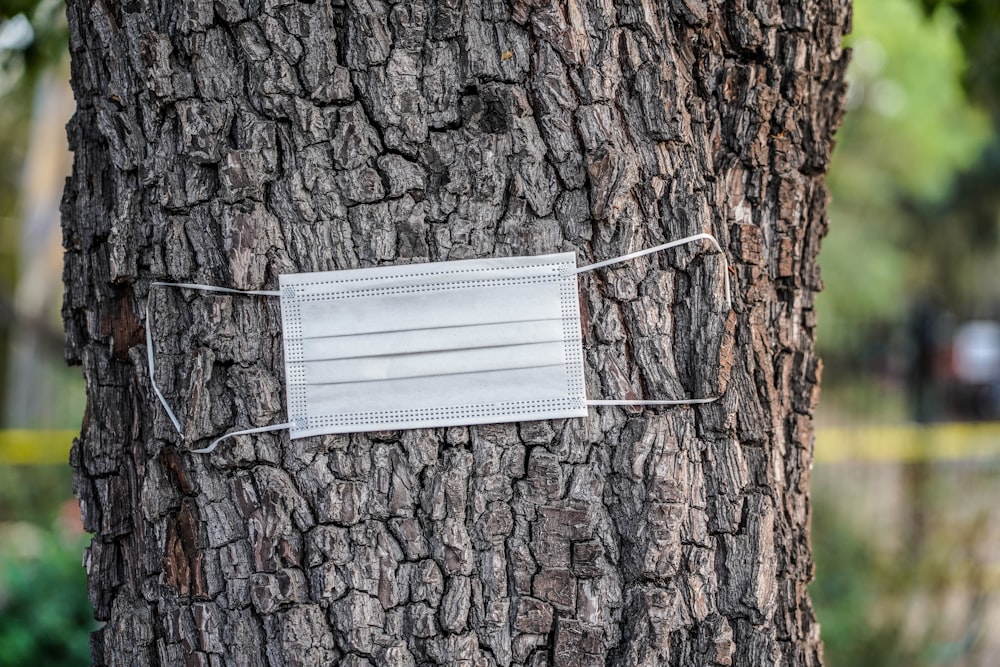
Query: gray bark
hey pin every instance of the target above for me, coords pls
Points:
(226, 143)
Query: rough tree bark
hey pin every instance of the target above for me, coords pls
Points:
(228, 142)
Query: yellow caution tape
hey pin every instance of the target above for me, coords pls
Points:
(880, 444)
(27, 447)
(908, 443)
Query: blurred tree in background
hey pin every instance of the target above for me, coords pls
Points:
(966, 225)
(910, 137)
(36, 388)
(912, 248)
(45, 617)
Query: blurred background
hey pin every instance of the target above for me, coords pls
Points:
(907, 477)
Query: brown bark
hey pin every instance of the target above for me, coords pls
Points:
(226, 143)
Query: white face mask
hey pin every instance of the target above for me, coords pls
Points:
(426, 345)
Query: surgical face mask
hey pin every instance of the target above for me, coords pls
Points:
(427, 345)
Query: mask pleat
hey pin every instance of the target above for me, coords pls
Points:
(447, 362)
(417, 341)
(378, 312)
(442, 391)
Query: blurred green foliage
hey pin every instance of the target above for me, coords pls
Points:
(33, 493)
(45, 617)
(909, 133)
(852, 582)
(980, 35)
(904, 564)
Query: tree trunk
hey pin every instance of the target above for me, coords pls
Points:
(227, 143)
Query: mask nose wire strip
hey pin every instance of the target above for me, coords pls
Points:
(150, 356)
(649, 251)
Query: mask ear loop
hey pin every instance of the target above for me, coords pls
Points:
(649, 251)
(152, 363)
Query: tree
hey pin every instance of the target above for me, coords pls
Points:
(226, 143)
